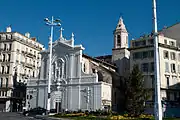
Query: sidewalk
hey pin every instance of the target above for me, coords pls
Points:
(49, 118)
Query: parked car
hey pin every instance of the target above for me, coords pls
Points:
(35, 111)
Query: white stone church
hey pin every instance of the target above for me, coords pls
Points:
(80, 82)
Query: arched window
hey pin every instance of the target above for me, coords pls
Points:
(84, 67)
(118, 40)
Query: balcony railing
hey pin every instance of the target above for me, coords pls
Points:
(29, 65)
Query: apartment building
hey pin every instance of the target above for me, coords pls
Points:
(19, 61)
(142, 53)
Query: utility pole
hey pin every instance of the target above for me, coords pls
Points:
(51, 23)
(157, 104)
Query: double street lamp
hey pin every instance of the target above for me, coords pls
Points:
(157, 104)
(51, 23)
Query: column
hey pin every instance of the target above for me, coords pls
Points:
(55, 72)
(42, 69)
(71, 67)
(79, 81)
(71, 70)
(62, 70)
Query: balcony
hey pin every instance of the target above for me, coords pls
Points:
(29, 65)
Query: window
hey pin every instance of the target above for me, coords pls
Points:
(173, 68)
(9, 57)
(178, 68)
(4, 57)
(1, 82)
(151, 53)
(171, 43)
(10, 47)
(29, 72)
(165, 42)
(2, 69)
(167, 80)
(118, 40)
(25, 71)
(150, 41)
(174, 80)
(4, 47)
(8, 69)
(152, 79)
(144, 67)
(145, 54)
(137, 55)
(166, 67)
(6, 82)
(84, 67)
(166, 54)
(33, 74)
(175, 95)
(152, 66)
(173, 56)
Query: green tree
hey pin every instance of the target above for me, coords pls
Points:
(135, 92)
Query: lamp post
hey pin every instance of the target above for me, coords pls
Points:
(51, 23)
(157, 105)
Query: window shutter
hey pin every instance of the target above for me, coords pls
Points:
(171, 67)
(179, 68)
(166, 67)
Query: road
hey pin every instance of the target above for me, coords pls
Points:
(14, 116)
(18, 116)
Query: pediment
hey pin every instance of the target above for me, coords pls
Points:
(62, 44)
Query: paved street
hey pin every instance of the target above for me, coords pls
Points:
(14, 116)
(18, 116)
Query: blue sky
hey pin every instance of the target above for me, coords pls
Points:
(92, 21)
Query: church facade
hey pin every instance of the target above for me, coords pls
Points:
(79, 82)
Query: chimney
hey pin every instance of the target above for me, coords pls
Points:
(27, 35)
(8, 29)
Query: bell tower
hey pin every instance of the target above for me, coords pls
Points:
(120, 53)
(120, 35)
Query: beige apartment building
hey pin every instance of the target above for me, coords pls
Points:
(19, 61)
(142, 53)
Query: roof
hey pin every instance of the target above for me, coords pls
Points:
(104, 56)
(100, 61)
(172, 31)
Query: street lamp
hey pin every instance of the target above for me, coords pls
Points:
(157, 105)
(51, 23)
